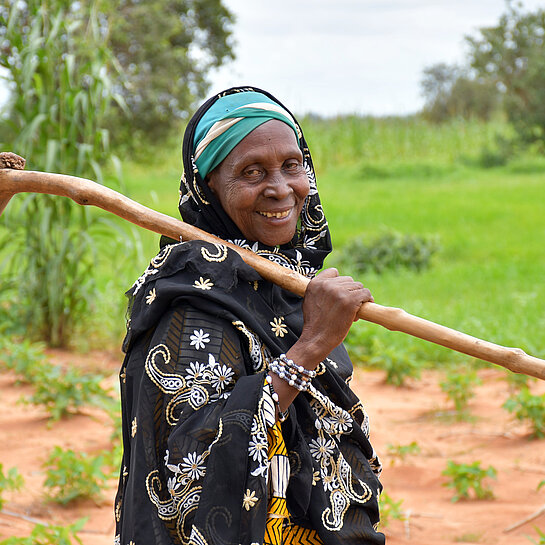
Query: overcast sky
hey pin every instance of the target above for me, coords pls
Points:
(350, 56)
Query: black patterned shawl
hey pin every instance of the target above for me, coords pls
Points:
(203, 326)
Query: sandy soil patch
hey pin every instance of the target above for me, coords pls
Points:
(399, 416)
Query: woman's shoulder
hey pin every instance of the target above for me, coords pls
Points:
(198, 260)
(204, 275)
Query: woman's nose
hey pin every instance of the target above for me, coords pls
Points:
(277, 187)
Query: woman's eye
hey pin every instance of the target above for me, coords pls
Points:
(292, 165)
(252, 173)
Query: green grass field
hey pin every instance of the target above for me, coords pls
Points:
(488, 278)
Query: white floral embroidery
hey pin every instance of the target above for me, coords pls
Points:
(203, 284)
(278, 326)
(336, 424)
(328, 481)
(151, 296)
(302, 266)
(258, 447)
(199, 338)
(172, 485)
(195, 371)
(321, 448)
(193, 465)
(334, 420)
(240, 242)
(258, 351)
(257, 450)
(311, 178)
(174, 468)
(222, 375)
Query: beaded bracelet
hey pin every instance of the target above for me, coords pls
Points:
(297, 381)
(282, 415)
(307, 372)
(296, 376)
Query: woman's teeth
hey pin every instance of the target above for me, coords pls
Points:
(275, 214)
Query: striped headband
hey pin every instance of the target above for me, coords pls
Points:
(230, 119)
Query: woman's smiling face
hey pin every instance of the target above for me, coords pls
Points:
(262, 184)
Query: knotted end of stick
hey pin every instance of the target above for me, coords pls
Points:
(12, 161)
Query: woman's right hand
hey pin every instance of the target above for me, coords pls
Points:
(330, 307)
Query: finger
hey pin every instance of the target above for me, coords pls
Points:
(332, 272)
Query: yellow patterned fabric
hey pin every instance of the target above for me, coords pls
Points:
(279, 530)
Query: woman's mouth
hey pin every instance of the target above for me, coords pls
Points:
(278, 215)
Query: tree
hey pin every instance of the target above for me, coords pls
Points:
(450, 91)
(512, 56)
(166, 48)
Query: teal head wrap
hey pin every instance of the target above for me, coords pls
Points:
(228, 121)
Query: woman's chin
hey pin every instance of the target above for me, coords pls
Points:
(275, 236)
(275, 231)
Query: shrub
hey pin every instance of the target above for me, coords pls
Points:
(64, 392)
(389, 510)
(49, 535)
(465, 477)
(527, 406)
(10, 481)
(25, 358)
(402, 451)
(72, 475)
(398, 364)
(458, 385)
(517, 381)
(388, 251)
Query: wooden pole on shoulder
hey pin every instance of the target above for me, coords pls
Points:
(89, 193)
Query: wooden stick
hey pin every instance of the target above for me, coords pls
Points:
(524, 521)
(87, 192)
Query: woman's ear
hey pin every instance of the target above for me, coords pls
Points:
(211, 180)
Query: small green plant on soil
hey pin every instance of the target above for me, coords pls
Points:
(468, 538)
(517, 381)
(12, 480)
(25, 358)
(459, 386)
(389, 251)
(400, 452)
(399, 365)
(527, 406)
(389, 510)
(63, 392)
(541, 536)
(50, 535)
(71, 475)
(467, 477)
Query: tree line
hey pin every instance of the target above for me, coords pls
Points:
(504, 71)
(88, 79)
(156, 56)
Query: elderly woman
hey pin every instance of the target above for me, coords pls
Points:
(238, 422)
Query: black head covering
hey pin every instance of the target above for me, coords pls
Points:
(200, 207)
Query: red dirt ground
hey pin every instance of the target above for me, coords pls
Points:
(399, 416)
